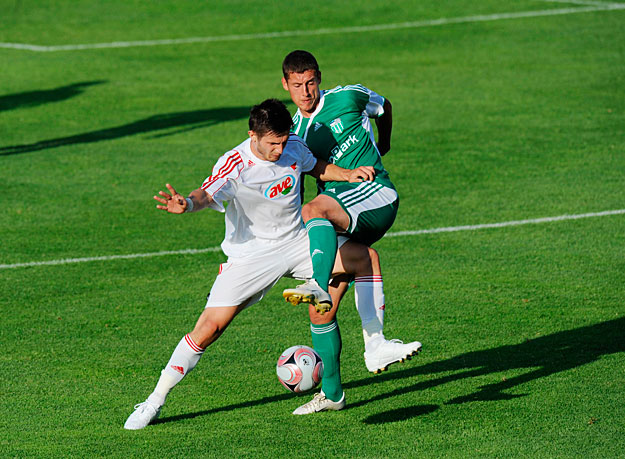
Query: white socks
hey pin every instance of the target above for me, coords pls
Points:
(369, 296)
(182, 361)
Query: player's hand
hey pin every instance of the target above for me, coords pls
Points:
(361, 174)
(174, 202)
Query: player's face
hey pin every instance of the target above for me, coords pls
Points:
(304, 90)
(270, 146)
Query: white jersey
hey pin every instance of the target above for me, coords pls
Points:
(263, 197)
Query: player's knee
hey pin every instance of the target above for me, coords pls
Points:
(206, 331)
(313, 210)
(321, 319)
(308, 212)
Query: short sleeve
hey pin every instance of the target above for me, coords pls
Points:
(375, 106)
(306, 159)
(222, 184)
(370, 102)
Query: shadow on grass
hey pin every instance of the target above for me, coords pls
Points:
(162, 125)
(45, 96)
(184, 121)
(544, 356)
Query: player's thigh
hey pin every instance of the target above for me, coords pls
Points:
(326, 206)
(296, 256)
(351, 257)
(245, 281)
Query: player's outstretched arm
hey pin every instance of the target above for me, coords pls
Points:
(173, 202)
(333, 173)
(385, 125)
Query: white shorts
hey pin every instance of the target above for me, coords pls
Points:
(242, 280)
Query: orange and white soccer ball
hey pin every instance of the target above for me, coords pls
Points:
(299, 368)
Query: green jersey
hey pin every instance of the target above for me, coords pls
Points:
(339, 131)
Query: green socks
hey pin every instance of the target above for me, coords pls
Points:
(326, 340)
(323, 247)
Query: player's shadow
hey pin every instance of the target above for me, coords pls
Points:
(163, 125)
(44, 96)
(541, 357)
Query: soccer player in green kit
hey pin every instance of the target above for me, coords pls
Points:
(335, 125)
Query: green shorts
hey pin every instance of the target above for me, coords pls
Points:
(371, 207)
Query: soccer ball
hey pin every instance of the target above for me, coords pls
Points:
(299, 368)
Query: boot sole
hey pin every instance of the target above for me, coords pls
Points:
(296, 298)
(402, 360)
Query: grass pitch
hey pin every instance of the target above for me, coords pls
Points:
(497, 117)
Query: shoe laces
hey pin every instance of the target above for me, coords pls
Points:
(143, 405)
(312, 282)
(318, 398)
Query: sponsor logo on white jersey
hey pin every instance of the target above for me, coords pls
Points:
(280, 187)
(336, 126)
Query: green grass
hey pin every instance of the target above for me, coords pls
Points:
(493, 121)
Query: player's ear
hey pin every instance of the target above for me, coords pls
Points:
(285, 85)
(252, 134)
(319, 76)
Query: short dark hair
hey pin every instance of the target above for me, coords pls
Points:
(270, 115)
(299, 61)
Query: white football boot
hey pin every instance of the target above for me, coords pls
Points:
(143, 414)
(310, 292)
(388, 352)
(321, 403)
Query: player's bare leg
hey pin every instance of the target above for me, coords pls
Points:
(364, 263)
(338, 286)
(208, 328)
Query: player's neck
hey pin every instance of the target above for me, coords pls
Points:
(255, 151)
(308, 114)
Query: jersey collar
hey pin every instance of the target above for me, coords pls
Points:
(312, 117)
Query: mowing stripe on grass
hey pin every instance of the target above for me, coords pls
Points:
(593, 7)
(582, 2)
(66, 261)
(452, 229)
(449, 229)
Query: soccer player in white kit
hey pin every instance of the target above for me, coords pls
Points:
(265, 240)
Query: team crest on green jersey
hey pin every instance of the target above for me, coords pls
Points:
(336, 126)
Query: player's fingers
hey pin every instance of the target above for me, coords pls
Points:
(165, 195)
(161, 200)
(367, 173)
(161, 207)
(171, 189)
